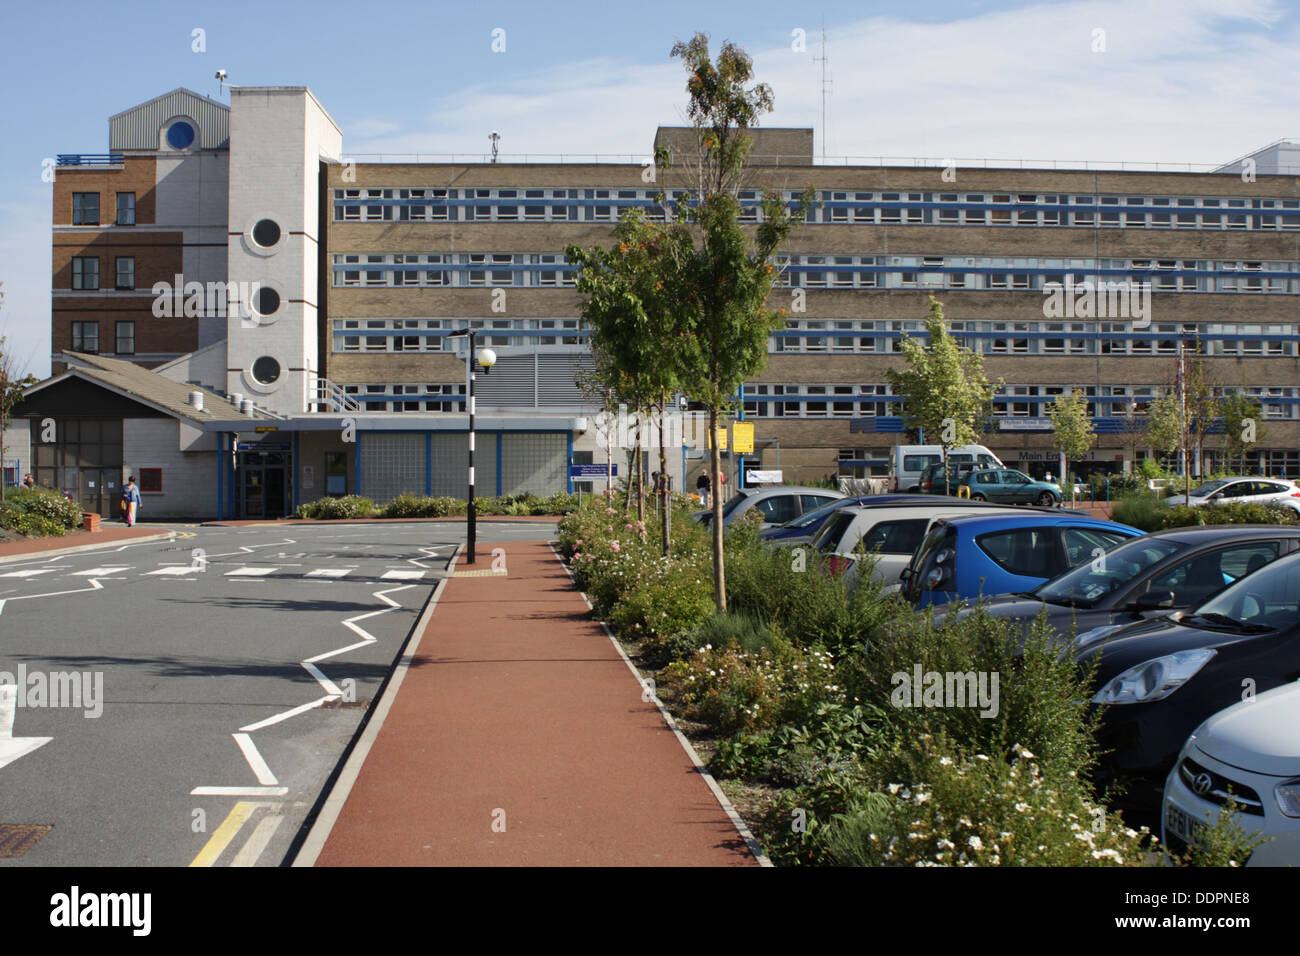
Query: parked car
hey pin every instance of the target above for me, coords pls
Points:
(908, 462)
(973, 556)
(891, 533)
(1250, 751)
(778, 503)
(1240, 491)
(1008, 486)
(803, 528)
(945, 478)
(1156, 681)
(1147, 577)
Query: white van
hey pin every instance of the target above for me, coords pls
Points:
(908, 462)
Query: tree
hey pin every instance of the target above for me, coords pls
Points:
(631, 315)
(1203, 409)
(12, 386)
(943, 390)
(1164, 429)
(1072, 430)
(1242, 428)
(721, 285)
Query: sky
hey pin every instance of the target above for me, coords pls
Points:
(1197, 82)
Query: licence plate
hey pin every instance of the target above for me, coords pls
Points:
(1183, 825)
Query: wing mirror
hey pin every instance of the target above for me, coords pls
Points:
(1154, 601)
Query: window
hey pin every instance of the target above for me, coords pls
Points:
(896, 537)
(126, 338)
(151, 480)
(125, 273)
(85, 272)
(85, 336)
(85, 209)
(125, 209)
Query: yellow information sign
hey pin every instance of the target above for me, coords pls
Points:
(722, 438)
(742, 438)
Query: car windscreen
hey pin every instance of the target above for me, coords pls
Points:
(1209, 488)
(731, 505)
(828, 539)
(1087, 584)
(1268, 598)
(810, 518)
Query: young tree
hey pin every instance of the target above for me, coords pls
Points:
(721, 285)
(1072, 429)
(943, 390)
(1164, 428)
(1203, 409)
(1243, 416)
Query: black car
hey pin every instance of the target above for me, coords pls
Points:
(1147, 577)
(945, 478)
(1158, 680)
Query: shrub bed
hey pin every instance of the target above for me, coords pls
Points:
(1144, 511)
(37, 512)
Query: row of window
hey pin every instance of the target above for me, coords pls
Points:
(1113, 277)
(85, 209)
(871, 207)
(1011, 401)
(428, 335)
(402, 397)
(85, 337)
(85, 272)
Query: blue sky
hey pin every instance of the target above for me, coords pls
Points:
(1179, 81)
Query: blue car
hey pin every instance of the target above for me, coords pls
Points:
(977, 556)
(807, 525)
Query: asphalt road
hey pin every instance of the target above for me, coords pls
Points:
(199, 692)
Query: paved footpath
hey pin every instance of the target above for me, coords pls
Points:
(105, 536)
(519, 737)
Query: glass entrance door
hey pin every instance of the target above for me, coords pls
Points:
(263, 484)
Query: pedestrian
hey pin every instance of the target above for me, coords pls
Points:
(29, 482)
(702, 486)
(130, 501)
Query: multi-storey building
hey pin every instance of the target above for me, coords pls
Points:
(346, 279)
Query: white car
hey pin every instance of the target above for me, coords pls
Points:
(1241, 491)
(1252, 750)
(891, 533)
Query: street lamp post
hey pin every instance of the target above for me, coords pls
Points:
(487, 358)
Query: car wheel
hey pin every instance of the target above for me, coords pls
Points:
(1046, 499)
(978, 497)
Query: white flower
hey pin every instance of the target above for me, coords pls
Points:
(945, 761)
(1021, 807)
(976, 843)
(921, 798)
(1107, 855)
(894, 788)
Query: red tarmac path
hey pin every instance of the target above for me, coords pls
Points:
(517, 708)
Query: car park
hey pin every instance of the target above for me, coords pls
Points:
(1008, 486)
(1240, 491)
(978, 555)
(777, 503)
(1157, 680)
(803, 528)
(890, 534)
(1250, 753)
(945, 478)
(1146, 577)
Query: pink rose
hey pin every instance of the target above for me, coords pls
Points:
(613, 545)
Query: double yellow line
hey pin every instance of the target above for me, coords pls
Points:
(230, 827)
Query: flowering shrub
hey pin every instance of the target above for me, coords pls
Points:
(37, 512)
(348, 506)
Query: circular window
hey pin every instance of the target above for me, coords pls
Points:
(266, 232)
(180, 135)
(266, 301)
(266, 370)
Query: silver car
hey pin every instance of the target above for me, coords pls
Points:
(778, 503)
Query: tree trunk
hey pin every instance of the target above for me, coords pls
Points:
(640, 471)
(715, 466)
(665, 498)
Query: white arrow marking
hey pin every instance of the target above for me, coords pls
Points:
(94, 586)
(11, 747)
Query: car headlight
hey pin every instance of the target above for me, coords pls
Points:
(1155, 679)
(1288, 797)
(1096, 634)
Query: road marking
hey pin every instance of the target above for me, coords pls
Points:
(328, 573)
(99, 572)
(401, 575)
(302, 708)
(29, 573)
(11, 747)
(94, 586)
(331, 688)
(222, 836)
(250, 572)
(239, 791)
(262, 834)
(186, 569)
(254, 758)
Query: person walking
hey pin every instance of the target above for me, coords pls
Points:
(130, 501)
(29, 482)
(702, 486)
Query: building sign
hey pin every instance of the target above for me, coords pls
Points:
(268, 428)
(755, 477)
(742, 438)
(593, 471)
(1024, 424)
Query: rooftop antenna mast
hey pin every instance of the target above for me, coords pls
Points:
(826, 86)
(495, 137)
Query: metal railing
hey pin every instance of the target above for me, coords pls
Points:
(331, 398)
(89, 159)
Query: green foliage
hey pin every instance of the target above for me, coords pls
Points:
(943, 390)
(1144, 511)
(1243, 428)
(1225, 842)
(834, 738)
(348, 506)
(1164, 428)
(1072, 429)
(38, 512)
(12, 386)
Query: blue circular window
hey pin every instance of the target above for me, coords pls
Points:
(180, 135)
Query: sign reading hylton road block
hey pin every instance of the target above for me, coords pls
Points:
(592, 471)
